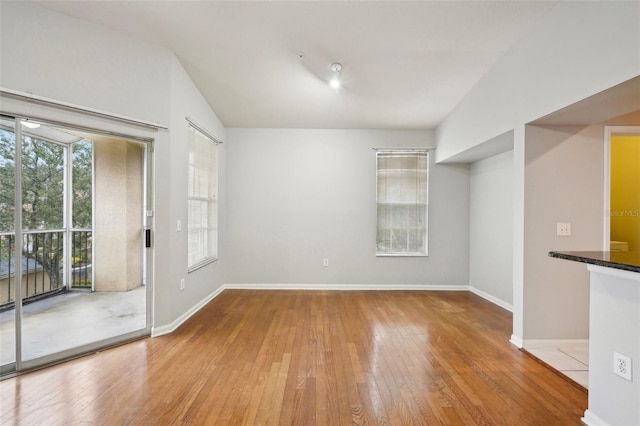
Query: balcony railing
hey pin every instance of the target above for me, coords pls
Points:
(81, 244)
(43, 265)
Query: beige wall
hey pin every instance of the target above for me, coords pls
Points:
(563, 183)
(135, 181)
(118, 215)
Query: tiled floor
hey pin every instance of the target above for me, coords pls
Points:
(570, 358)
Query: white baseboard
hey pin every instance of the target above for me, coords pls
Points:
(591, 419)
(553, 343)
(347, 287)
(516, 341)
(169, 328)
(492, 299)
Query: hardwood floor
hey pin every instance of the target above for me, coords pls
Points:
(304, 358)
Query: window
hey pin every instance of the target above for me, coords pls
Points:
(402, 195)
(202, 199)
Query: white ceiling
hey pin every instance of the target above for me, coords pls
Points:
(405, 64)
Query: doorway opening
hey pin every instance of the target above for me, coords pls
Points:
(622, 198)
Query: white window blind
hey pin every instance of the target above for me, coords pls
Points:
(202, 219)
(402, 201)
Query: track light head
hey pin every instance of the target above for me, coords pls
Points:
(336, 75)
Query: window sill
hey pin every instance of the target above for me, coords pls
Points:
(402, 255)
(202, 263)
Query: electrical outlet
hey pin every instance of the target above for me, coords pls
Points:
(563, 229)
(622, 365)
(182, 284)
(325, 262)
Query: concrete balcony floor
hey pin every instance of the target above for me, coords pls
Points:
(70, 320)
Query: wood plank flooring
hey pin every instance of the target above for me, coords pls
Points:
(308, 358)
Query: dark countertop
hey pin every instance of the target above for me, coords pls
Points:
(625, 260)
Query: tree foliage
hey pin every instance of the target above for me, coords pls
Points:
(82, 184)
(43, 181)
(42, 184)
(7, 180)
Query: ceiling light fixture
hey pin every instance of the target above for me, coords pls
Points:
(336, 75)
(30, 125)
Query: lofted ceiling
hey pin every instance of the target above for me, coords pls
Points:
(265, 63)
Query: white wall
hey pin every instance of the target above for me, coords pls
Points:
(296, 197)
(63, 58)
(576, 50)
(55, 56)
(491, 228)
(615, 321)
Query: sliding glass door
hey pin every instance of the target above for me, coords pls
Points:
(7, 246)
(76, 244)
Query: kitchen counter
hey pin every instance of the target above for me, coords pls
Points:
(625, 260)
(614, 328)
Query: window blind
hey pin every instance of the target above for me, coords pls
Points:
(202, 219)
(402, 201)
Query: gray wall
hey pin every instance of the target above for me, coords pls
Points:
(296, 197)
(491, 228)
